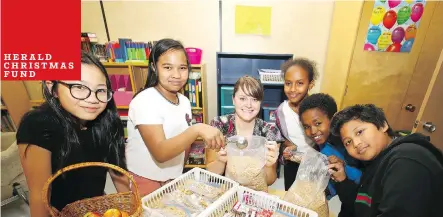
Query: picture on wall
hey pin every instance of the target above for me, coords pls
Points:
(254, 20)
(393, 25)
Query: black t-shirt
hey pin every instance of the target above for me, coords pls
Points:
(42, 128)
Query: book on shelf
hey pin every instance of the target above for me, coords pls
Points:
(196, 154)
(124, 120)
(6, 123)
(197, 116)
(193, 90)
(89, 44)
(122, 112)
(126, 50)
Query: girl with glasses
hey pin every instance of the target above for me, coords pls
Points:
(159, 120)
(77, 123)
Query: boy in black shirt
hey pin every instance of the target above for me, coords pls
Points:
(402, 176)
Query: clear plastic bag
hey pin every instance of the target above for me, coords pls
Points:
(296, 156)
(178, 204)
(173, 210)
(246, 166)
(310, 183)
(247, 171)
(205, 190)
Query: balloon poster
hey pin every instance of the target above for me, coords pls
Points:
(393, 25)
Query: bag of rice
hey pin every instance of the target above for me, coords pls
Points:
(247, 171)
(246, 165)
(310, 183)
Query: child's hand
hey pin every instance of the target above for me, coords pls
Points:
(336, 168)
(222, 155)
(212, 136)
(287, 152)
(272, 153)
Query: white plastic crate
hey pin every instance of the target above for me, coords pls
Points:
(196, 174)
(257, 199)
(271, 76)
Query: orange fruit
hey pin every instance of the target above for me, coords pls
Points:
(91, 214)
(112, 213)
(124, 214)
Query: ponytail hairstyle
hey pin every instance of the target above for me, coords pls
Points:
(160, 48)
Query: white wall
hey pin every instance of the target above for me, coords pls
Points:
(297, 27)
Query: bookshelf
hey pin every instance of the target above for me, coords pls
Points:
(138, 72)
(15, 103)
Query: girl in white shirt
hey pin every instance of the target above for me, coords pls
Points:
(299, 76)
(159, 120)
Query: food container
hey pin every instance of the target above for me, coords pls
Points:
(256, 148)
(150, 201)
(259, 200)
(194, 55)
(246, 165)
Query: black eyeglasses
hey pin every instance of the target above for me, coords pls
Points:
(81, 92)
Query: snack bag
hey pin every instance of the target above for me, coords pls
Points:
(205, 193)
(310, 183)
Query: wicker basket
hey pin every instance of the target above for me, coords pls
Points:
(129, 202)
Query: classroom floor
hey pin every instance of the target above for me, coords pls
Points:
(21, 209)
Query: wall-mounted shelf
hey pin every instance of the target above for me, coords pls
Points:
(195, 165)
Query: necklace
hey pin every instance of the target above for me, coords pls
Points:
(173, 103)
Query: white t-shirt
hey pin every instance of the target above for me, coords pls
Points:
(295, 129)
(150, 107)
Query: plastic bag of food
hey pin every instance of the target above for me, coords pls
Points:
(205, 190)
(245, 165)
(172, 210)
(295, 155)
(247, 171)
(181, 204)
(310, 183)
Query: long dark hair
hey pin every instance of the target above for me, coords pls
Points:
(159, 49)
(107, 128)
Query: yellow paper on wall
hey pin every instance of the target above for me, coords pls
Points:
(253, 20)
